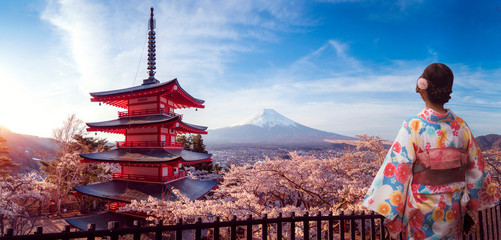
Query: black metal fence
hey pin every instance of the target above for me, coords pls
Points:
(343, 226)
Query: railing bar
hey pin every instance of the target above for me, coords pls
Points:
(481, 225)
(341, 227)
(319, 229)
(497, 220)
(352, 228)
(198, 230)
(487, 227)
(495, 230)
(279, 228)
(216, 229)
(373, 227)
(249, 228)
(293, 226)
(265, 229)
(362, 225)
(179, 231)
(330, 228)
(381, 223)
(306, 227)
(233, 229)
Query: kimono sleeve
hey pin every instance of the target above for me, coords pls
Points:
(482, 190)
(388, 192)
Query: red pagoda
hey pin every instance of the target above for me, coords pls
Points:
(151, 161)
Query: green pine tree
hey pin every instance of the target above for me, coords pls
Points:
(197, 144)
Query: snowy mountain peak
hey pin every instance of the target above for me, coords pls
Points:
(270, 118)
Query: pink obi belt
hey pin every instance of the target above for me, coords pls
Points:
(440, 166)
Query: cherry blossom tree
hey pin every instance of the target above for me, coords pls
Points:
(298, 184)
(66, 171)
(20, 195)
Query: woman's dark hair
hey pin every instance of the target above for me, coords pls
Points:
(440, 79)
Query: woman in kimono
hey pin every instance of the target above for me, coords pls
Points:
(434, 171)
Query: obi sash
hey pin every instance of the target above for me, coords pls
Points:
(440, 166)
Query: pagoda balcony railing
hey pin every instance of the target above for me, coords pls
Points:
(148, 112)
(139, 177)
(149, 144)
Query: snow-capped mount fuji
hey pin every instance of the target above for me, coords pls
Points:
(269, 118)
(270, 127)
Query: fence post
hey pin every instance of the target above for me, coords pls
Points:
(9, 232)
(198, 230)
(111, 226)
(249, 227)
(279, 227)
(373, 225)
(233, 231)
(362, 225)
(306, 227)
(293, 226)
(481, 224)
(341, 225)
(90, 228)
(216, 229)
(158, 234)
(179, 231)
(39, 230)
(137, 234)
(352, 226)
(330, 231)
(319, 226)
(66, 229)
(265, 227)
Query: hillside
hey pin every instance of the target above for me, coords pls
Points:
(489, 141)
(24, 148)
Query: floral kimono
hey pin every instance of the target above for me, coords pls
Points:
(430, 212)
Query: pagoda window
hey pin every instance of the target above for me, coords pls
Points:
(165, 171)
(172, 139)
(170, 103)
(176, 170)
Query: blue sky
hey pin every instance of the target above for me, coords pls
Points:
(347, 67)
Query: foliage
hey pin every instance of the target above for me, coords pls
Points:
(297, 184)
(65, 134)
(19, 195)
(493, 161)
(185, 140)
(5, 162)
(67, 171)
(194, 143)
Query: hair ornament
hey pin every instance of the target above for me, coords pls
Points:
(422, 83)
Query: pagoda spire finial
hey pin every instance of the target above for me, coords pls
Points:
(151, 51)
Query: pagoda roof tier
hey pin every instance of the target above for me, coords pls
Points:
(101, 220)
(126, 191)
(177, 95)
(139, 155)
(119, 125)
